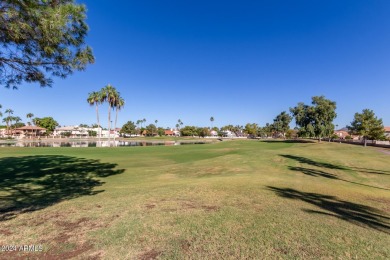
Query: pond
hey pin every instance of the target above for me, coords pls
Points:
(94, 143)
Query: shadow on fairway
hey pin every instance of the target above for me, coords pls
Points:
(358, 214)
(321, 173)
(289, 141)
(314, 163)
(34, 182)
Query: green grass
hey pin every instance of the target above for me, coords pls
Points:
(228, 200)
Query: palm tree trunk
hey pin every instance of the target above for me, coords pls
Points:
(109, 125)
(116, 118)
(97, 116)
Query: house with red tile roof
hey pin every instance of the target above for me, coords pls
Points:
(387, 131)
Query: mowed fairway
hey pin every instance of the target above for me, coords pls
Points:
(228, 200)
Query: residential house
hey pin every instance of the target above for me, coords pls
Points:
(213, 133)
(82, 132)
(28, 131)
(171, 132)
(387, 131)
(341, 134)
(228, 133)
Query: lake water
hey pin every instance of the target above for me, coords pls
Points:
(94, 144)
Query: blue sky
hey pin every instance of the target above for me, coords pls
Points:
(238, 61)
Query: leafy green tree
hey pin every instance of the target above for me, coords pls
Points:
(41, 39)
(188, 131)
(92, 133)
(251, 129)
(129, 128)
(316, 120)
(151, 129)
(46, 122)
(160, 131)
(282, 123)
(18, 125)
(291, 133)
(83, 125)
(228, 127)
(66, 134)
(367, 125)
(268, 130)
(202, 131)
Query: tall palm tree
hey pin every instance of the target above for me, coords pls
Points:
(137, 123)
(95, 98)
(180, 122)
(1, 114)
(29, 116)
(9, 112)
(109, 94)
(212, 120)
(120, 102)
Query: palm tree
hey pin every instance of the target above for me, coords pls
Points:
(1, 114)
(29, 116)
(143, 121)
(95, 98)
(211, 120)
(137, 123)
(8, 119)
(120, 102)
(109, 94)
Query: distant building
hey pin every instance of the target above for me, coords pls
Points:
(341, 134)
(28, 131)
(228, 133)
(213, 133)
(387, 131)
(171, 132)
(83, 132)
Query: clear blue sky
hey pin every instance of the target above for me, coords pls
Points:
(239, 61)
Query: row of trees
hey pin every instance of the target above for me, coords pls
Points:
(312, 121)
(13, 122)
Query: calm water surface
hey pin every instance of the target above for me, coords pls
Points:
(94, 144)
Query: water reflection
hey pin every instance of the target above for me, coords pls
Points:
(93, 144)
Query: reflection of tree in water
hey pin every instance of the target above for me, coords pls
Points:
(35, 182)
(359, 214)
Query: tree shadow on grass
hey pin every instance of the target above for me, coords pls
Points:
(289, 141)
(34, 182)
(333, 166)
(358, 214)
(321, 173)
(313, 163)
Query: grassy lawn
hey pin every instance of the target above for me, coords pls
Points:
(227, 200)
